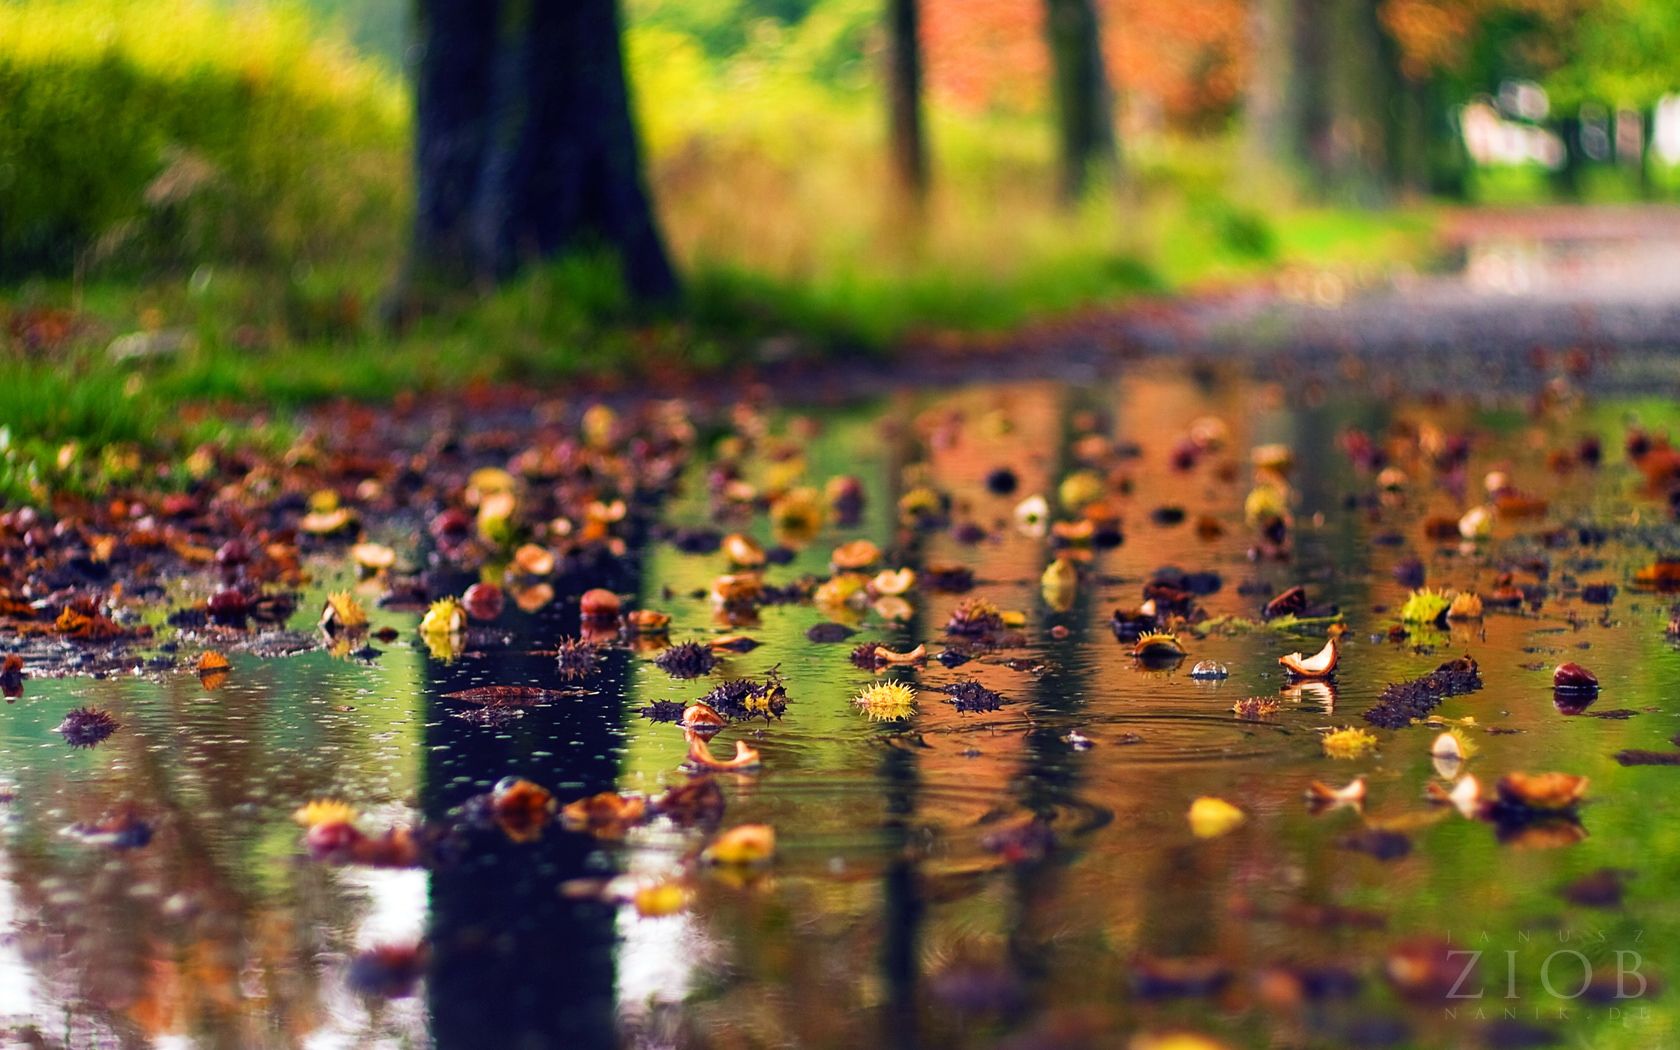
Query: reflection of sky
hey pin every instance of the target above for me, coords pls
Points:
(17, 982)
(395, 911)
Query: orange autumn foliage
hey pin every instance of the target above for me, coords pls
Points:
(1183, 59)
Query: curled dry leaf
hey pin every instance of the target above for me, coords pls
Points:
(894, 658)
(702, 718)
(605, 815)
(1551, 792)
(647, 622)
(743, 551)
(1321, 664)
(1465, 795)
(533, 560)
(521, 808)
(660, 899)
(700, 756)
(745, 844)
(855, 556)
(1322, 797)
(1211, 817)
(373, 558)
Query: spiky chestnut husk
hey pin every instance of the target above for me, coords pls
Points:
(87, 726)
(1157, 644)
(1402, 702)
(663, 711)
(864, 656)
(1349, 743)
(742, 698)
(1255, 707)
(970, 696)
(887, 701)
(687, 660)
(576, 658)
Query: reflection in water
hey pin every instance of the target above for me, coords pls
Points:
(914, 902)
(511, 954)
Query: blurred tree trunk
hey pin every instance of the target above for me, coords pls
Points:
(904, 89)
(1083, 100)
(1327, 103)
(1270, 124)
(452, 122)
(524, 147)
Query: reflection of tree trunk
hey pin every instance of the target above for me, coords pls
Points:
(901, 884)
(1050, 772)
(514, 963)
(904, 88)
(1083, 98)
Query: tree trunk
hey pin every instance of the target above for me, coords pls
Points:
(452, 121)
(1083, 100)
(526, 149)
(1272, 100)
(904, 89)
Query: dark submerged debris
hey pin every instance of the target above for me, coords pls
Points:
(511, 695)
(827, 633)
(1402, 702)
(1601, 889)
(1639, 757)
(1026, 842)
(687, 660)
(1377, 842)
(388, 971)
(698, 802)
(950, 577)
(1178, 978)
(970, 696)
(87, 726)
(124, 830)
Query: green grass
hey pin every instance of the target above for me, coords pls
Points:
(772, 185)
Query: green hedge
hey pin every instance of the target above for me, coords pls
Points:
(177, 131)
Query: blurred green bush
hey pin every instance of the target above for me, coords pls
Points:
(147, 133)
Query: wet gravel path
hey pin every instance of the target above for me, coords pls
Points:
(1589, 292)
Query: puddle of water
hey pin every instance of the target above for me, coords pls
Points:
(887, 919)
